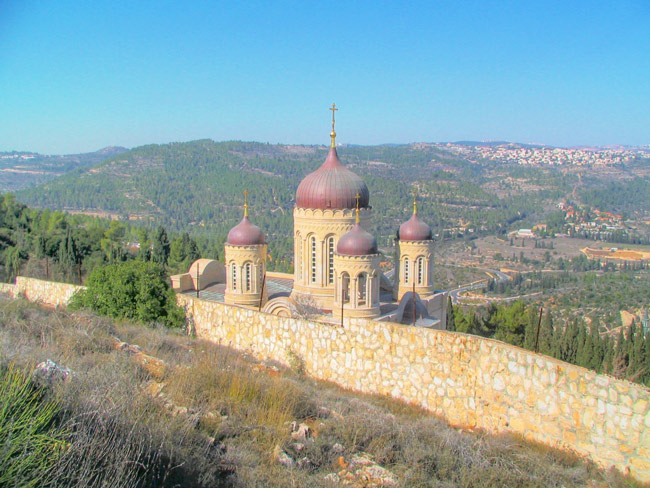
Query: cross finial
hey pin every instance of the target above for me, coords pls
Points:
(333, 133)
(415, 201)
(245, 203)
(357, 198)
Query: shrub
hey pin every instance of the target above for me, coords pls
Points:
(132, 290)
(30, 443)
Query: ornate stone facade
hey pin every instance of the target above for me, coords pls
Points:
(356, 282)
(245, 270)
(316, 233)
(413, 266)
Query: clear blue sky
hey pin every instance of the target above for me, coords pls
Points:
(78, 76)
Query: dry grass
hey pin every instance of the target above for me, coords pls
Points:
(220, 414)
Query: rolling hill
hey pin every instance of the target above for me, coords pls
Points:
(197, 187)
(19, 170)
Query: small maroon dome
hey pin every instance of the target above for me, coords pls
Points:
(245, 234)
(357, 242)
(414, 230)
(332, 186)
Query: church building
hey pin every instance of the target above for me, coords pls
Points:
(337, 271)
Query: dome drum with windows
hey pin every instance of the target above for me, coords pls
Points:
(245, 252)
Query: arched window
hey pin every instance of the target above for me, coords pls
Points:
(330, 260)
(233, 277)
(248, 276)
(362, 281)
(420, 268)
(406, 270)
(312, 258)
(298, 263)
(345, 288)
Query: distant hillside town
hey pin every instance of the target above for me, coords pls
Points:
(543, 156)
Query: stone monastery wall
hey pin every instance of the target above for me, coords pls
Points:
(468, 380)
(46, 292)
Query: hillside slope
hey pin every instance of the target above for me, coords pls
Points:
(174, 411)
(197, 186)
(19, 170)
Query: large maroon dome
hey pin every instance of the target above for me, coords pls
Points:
(414, 230)
(357, 242)
(332, 186)
(245, 234)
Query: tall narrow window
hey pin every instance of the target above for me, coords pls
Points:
(298, 263)
(248, 278)
(406, 270)
(313, 259)
(345, 287)
(420, 270)
(361, 288)
(233, 277)
(330, 260)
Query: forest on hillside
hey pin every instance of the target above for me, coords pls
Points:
(53, 245)
(196, 187)
(624, 355)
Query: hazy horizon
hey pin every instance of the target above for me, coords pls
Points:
(339, 144)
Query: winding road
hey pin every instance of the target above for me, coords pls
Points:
(476, 285)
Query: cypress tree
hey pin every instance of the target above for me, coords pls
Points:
(637, 358)
(646, 360)
(569, 346)
(530, 335)
(160, 253)
(586, 351)
(546, 335)
(144, 251)
(608, 355)
(451, 324)
(628, 345)
(68, 255)
(597, 354)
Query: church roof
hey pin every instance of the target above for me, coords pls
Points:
(245, 234)
(332, 186)
(357, 242)
(414, 229)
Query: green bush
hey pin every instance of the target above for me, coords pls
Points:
(131, 290)
(30, 443)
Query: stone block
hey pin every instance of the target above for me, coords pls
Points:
(569, 436)
(641, 406)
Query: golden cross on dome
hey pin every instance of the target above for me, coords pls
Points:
(333, 134)
(357, 197)
(245, 203)
(415, 201)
